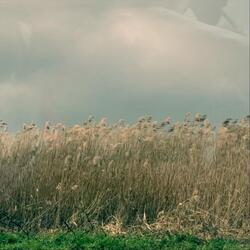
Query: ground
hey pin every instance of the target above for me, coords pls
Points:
(81, 240)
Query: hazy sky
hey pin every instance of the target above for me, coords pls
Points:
(62, 60)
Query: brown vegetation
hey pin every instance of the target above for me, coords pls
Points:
(193, 179)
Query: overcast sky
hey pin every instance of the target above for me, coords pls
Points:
(61, 60)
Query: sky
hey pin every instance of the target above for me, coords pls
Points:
(62, 60)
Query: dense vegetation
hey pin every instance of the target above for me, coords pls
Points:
(150, 176)
(84, 241)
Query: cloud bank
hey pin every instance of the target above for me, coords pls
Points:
(63, 60)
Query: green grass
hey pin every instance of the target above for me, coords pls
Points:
(85, 241)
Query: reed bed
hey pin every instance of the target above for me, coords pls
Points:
(157, 176)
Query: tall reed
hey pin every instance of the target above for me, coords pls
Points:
(184, 177)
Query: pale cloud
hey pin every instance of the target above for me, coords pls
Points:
(181, 51)
(62, 60)
(9, 91)
(26, 32)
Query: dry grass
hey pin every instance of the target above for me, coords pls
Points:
(192, 179)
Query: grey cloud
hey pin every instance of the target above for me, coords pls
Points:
(63, 61)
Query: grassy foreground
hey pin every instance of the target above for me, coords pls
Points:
(80, 240)
(184, 178)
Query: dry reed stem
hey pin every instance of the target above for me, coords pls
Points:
(195, 177)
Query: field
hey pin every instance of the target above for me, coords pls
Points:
(149, 177)
(86, 241)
